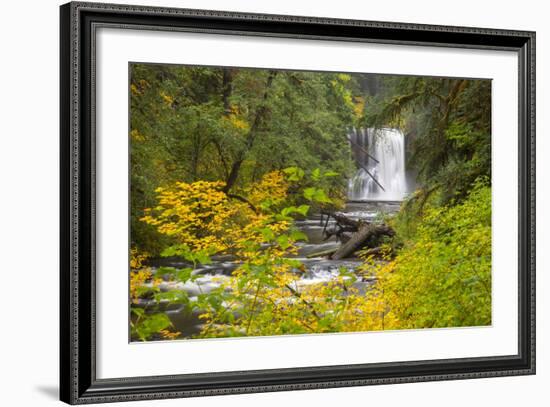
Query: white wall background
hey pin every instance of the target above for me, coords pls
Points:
(29, 163)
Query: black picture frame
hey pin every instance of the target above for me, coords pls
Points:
(78, 382)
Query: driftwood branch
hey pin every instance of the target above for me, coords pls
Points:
(372, 176)
(362, 149)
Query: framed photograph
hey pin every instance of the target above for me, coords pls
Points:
(254, 203)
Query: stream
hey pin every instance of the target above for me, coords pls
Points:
(318, 270)
(376, 189)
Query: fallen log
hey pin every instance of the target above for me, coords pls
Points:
(344, 226)
(321, 253)
(359, 239)
(342, 233)
(342, 219)
(353, 234)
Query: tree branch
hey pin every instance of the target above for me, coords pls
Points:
(243, 199)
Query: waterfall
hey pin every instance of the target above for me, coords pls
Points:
(388, 147)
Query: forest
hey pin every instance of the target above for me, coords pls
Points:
(271, 202)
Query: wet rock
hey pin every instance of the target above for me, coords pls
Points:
(185, 320)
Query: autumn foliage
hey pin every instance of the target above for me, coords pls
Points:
(224, 161)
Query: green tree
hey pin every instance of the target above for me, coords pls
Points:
(448, 124)
(233, 125)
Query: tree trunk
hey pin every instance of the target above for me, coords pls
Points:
(360, 238)
(227, 88)
(252, 133)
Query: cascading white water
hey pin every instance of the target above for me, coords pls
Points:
(388, 147)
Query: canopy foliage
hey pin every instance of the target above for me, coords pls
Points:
(224, 160)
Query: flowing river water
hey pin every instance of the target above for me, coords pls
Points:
(367, 201)
(318, 269)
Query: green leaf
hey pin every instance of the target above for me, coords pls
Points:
(297, 235)
(316, 194)
(279, 217)
(266, 204)
(150, 325)
(215, 301)
(309, 193)
(202, 257)
(303, 210)
(283, 242)
(168, 252)
(316, 174)
(175, 296)
(290, 170)
(144, 290)
(267, 234)
(293, 263)
(294, 173)
(181, 250)
(184, 274)
(161, 271)
(157, 322)
(288, 211)
(321, 196)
